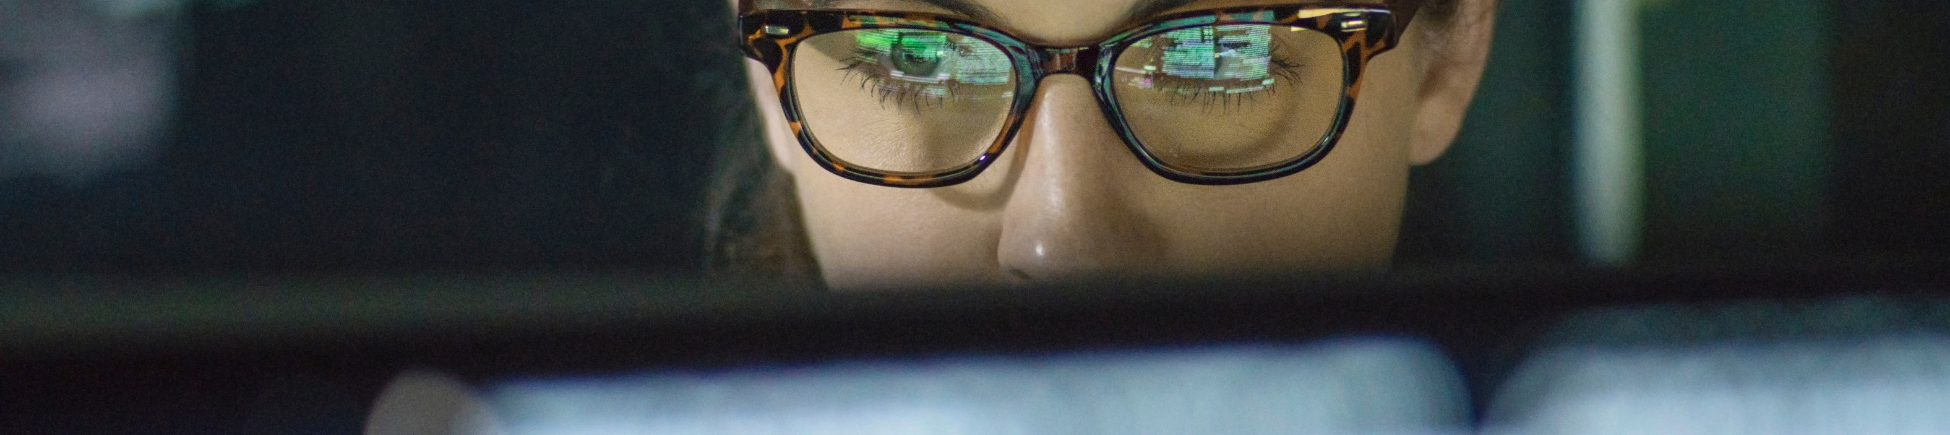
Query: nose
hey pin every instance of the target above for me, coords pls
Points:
(1074, 212)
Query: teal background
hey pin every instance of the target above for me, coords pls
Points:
(1737, 141)
(1741, 147)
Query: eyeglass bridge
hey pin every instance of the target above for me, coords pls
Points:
(1074, 60)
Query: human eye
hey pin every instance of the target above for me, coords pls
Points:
(1223, 65)
(924, 67)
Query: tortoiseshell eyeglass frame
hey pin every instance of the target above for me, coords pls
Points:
(1362, 30)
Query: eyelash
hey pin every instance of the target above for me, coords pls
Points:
(1276, 67)
(874, 77)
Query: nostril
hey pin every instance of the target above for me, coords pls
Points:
(1021, 275)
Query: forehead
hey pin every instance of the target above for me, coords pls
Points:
(1052, 22)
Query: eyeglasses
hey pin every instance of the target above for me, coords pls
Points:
(1224, 96)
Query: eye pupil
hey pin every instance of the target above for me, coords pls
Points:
(915, 58)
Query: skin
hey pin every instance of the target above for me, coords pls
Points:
(1068, 202)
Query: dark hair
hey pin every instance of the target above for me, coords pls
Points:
(751, 218)
(751, 212)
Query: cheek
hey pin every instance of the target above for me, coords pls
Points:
(867, 236)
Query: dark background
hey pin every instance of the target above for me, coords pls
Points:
(332, 136)
(480, 138)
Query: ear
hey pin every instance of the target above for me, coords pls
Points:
(778, 136)
(1455, 57)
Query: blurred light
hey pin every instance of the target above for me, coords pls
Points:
(1843, 366)
(1607, 167)
(89, 85)
(1354, 387)
(1891, 385)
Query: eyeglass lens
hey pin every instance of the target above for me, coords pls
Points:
(1229, 97)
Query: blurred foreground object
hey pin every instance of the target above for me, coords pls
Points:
(422, 402)
(1841, 366)
(1369, 386)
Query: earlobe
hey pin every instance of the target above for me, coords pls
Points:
(778, 136)
(1456, 55)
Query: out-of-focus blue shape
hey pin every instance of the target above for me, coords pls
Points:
(1859, 366)
(1351, 387)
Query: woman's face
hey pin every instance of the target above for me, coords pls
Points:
(1068, 201)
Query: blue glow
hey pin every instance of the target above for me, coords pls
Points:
(1354, 387)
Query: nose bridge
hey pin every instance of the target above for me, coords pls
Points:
(1071, 60)
(1070, 214)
